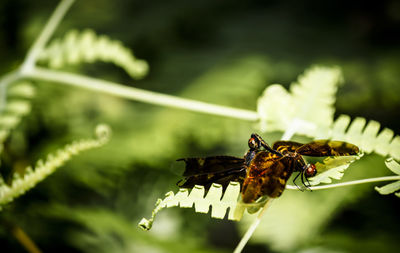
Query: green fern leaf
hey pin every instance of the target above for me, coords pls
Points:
(32, 177)
(392, 187)
(332, 168)
(316, 90)
(88, 47)
(22, 89)
(310, 100)
(393, 165)
(366, 136)
(310, 103)
(219, 201)
(17, 105)
(389, 188)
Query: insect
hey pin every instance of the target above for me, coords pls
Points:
(264, 171)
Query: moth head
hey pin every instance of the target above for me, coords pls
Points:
(311, 170)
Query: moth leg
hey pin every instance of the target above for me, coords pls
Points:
(308, 183)
(302, 179)
(294, 182)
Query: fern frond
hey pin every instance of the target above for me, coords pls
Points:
(392, 187)
(316, 90)
(310, 99)
(332, 168)
(16, 107)
(23, 89)
(215, 198)
(44, 168)
(80, 47)
(366, 136)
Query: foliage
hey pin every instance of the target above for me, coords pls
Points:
(332, 168)
(15, 105)
(310, 99)
(202, 204)
(31, 177)
(199, 53)
(290, 116)
(86, 47)
(393, 187)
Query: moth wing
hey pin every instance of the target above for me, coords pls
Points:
(289, 145)
(328, 148)
(209, 170)
(212, 164)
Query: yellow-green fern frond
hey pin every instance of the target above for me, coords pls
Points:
(332, 168)
(310, 102)
(215, 198)
(392, 187)
(366, 136)
(21, 184)
(16, 106)
(80, 47)
(316, 90)
(310, 99)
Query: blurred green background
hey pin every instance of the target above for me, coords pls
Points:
(222, 52)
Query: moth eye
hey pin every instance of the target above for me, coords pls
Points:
(252, 143)
(311, 170)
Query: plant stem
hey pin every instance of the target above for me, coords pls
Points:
(45, 35)
(139, 94)
(246, 237)
(29, 70)
(361, 181)
(25, 240)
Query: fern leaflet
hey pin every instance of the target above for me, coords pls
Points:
(17, 105)
(366, 136)
(310, 99)
(86, 46)
(332, 168)
(219, 201)
(392, 187)
(32, 177)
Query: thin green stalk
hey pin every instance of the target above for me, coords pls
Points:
(246, 237)
(29, 70)
(45, 35)
(139, 94)
(361, 181)
(30, 60)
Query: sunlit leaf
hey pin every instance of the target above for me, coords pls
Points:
(389, 188)
(392, 187)
(393, 165)
(215, 199)
(332, 168)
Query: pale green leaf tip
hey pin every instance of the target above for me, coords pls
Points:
(378, 189)
(389, 188)
(145, 224)
(393, 165)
